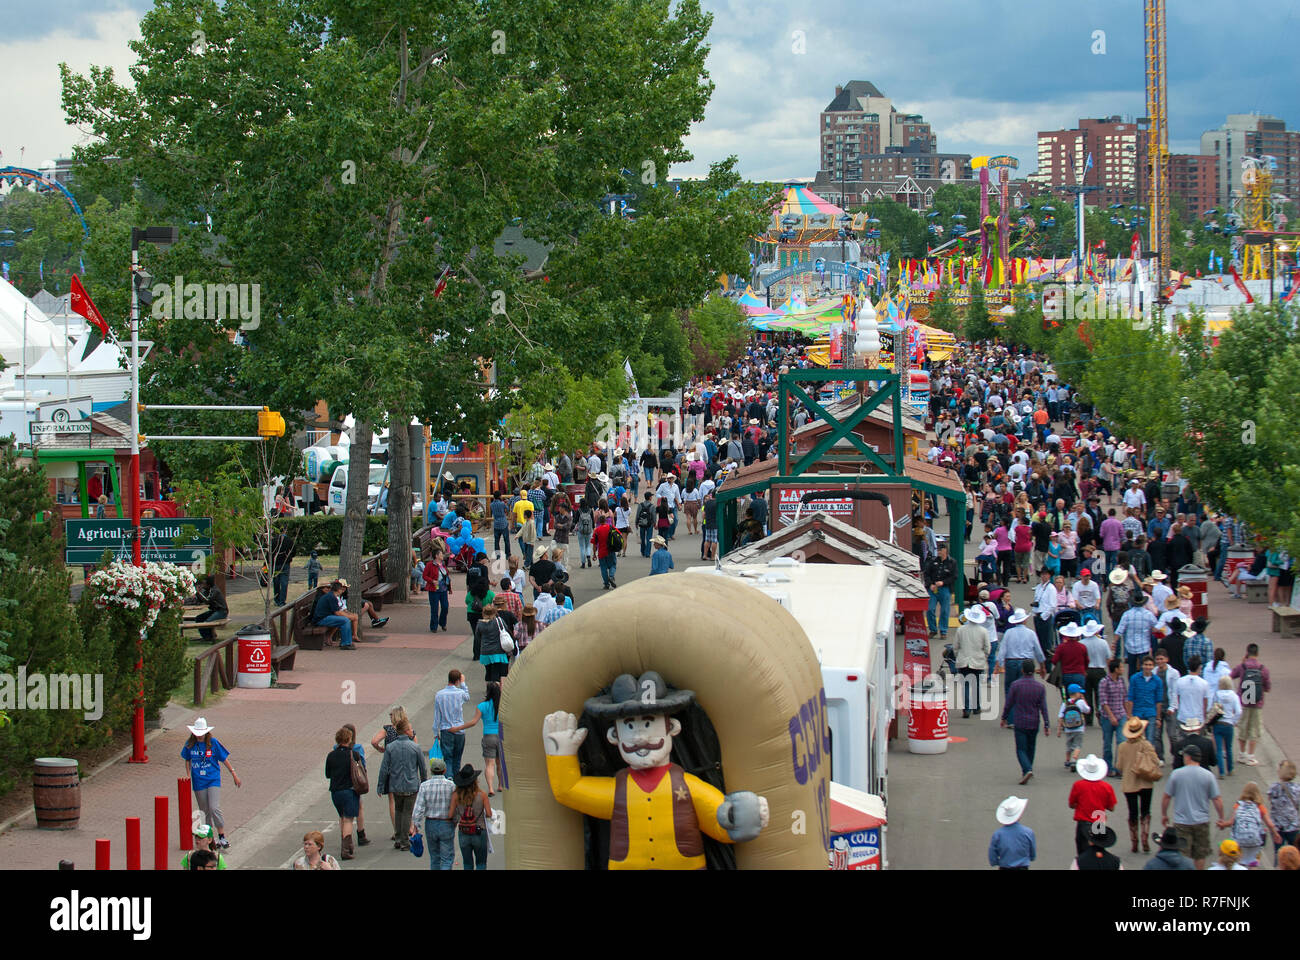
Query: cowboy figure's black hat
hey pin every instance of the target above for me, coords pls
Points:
(631, 696)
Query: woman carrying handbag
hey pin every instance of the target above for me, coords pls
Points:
(1136, 760)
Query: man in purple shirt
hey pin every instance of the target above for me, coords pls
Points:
(1026, 701)
(1112, 538)
(1253, 682)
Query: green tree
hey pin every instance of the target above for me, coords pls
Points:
(394, 141)
(942, 312)
(717, 332)
(976, 324)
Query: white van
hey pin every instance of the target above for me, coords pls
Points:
(337, 500)
(847, 611)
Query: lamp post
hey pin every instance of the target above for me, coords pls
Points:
(161, 237)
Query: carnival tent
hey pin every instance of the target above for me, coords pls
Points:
(802, 202)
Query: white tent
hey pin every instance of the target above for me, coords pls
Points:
(27, 340)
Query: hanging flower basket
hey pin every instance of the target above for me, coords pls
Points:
(146, 590)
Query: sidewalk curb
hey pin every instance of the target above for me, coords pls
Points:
(116, 758)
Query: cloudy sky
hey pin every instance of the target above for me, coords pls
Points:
(988, 75)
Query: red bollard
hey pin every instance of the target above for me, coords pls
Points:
(160, 833)
(101, 855)
(184, 812)
(133, 843)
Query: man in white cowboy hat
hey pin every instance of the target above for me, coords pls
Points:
(1091, 799)
(1161, 589)
(1019, 644)
(672, 495)
(1013, 845)
(971, 649)
(1098, 658)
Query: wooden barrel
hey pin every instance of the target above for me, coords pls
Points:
(56, 793)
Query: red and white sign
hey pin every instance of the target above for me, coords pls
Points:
(788, 504)
(254, 661)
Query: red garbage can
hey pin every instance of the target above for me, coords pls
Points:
(253, 667)
(927, 719)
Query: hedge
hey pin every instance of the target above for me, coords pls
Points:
(324, 532)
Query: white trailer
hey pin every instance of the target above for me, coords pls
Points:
(847, 611)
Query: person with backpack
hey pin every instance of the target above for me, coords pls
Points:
(470, 811)
(645, 522)
(583, 528)
(1070, 721)
(607, 541)
(1251, 825)
(1253, 683)
(1284, 806)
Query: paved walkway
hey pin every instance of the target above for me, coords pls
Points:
(941, 807)
(279, 739)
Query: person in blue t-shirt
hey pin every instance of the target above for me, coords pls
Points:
(326, 614)
(661, 561)
(206, 755)
(488, 712)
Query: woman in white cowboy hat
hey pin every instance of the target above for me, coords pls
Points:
(1013, 845)
(971, 649)
(1091, 799)
(206, 754)
(1139, 768)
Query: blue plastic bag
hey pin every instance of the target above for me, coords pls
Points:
(417, 846)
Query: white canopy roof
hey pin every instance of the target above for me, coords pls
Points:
(41, 333)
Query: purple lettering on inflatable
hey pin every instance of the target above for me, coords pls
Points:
(797, 750)
(811, 739)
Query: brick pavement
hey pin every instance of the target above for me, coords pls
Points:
(276, 737)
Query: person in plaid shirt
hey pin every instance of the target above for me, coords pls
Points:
(512, 600)
(1198, 644)
(1134, 629)
(1111, 711)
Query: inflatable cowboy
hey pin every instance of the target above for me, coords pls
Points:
(657, 811)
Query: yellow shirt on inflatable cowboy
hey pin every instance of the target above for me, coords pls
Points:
(657, 811)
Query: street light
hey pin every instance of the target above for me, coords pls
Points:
(161, 237)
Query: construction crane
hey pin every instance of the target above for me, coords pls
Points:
(1157, 146)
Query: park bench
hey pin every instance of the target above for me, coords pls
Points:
(1257, 591)
(307, 635)
(203, 624)
(1286, 621)
(373, 587)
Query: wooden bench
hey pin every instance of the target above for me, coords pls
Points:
(1286, 621)
(283, 649)
(306, 635)
(204, 624)
(373, 587)
(1257, 591)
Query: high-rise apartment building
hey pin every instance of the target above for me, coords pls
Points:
(1118, 149)
(1253, 135)
(861, 125)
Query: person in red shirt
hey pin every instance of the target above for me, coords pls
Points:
(1072, 655)
(1091, 799)
(606, 557)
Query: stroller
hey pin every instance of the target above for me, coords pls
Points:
(463, 560)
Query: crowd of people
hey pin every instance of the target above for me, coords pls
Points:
(1104, 536)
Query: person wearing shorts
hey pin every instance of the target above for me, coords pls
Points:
(709, 548)
(491, 736)
(1191, 789)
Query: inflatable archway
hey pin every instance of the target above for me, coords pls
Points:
(754, 674)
